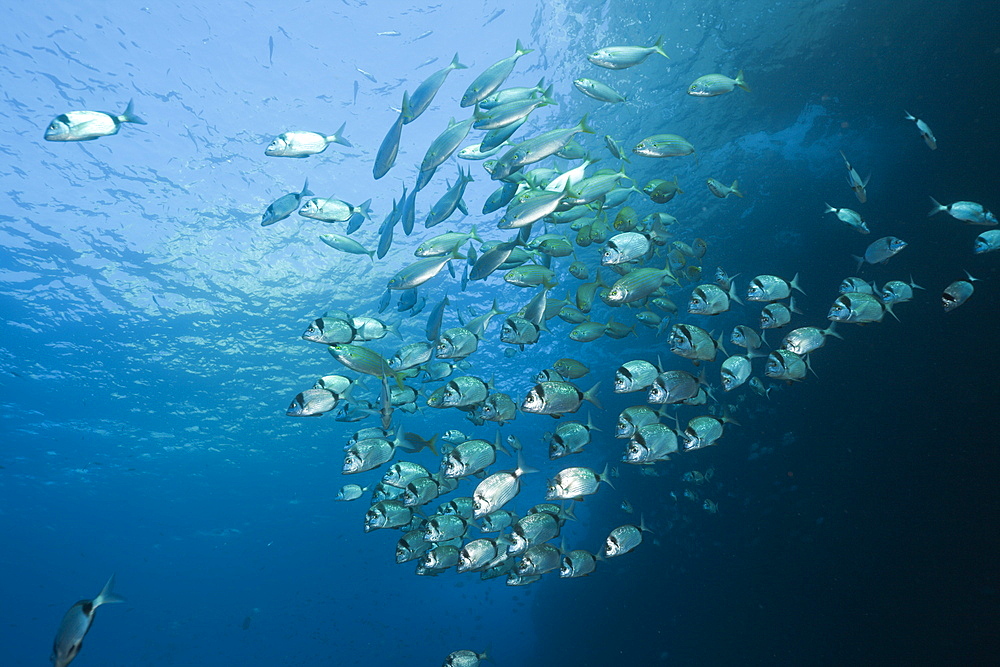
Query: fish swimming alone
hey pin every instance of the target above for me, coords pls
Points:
(89, 125)
(76, 623)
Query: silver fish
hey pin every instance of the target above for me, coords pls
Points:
(498, 489)
(924, 129)
(77, 621)
(621, 57)
(957, 293)
(88, 125)
(634, 376)
(300, 144)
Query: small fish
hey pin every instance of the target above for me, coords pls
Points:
(623, 248)
(456, 343)
(772, 288)
(499, 488)
(624, 539)
(464, 657)
(601, 92)
(577, 563)
(854, 180)
(312, 403)
(651, 443)
(881, 250)
(851, 218)
(925, 130)
(367, 75)
(856, 307)
(385, 158)
(896, 291)
(966, 211)
(571, 369)
(333, 210)
(663, 145)
(421, 271)
(674, 386)
(350, 492)
(957, 293)
(660, 191)
(330, 330)
(76, 623)
(704, 431)
(387, 514)
(622, 57)
(775, 315)
(89, 125)
(302, 144)
(633, 418)
(284, 206)
(785, 365)
(804, 340)
(988, 241)
(635, 376)
(416, 104)
(722, 191)
(558, 398)
(493, 77)
(735, 371)
(710, 299)
(346, 244)
(711, 85)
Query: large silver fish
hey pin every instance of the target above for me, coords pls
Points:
(298, 143)
(76, 623)
(88, 125)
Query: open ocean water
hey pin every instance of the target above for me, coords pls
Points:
(150, 335)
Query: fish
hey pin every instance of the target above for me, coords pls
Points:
(300, 143)
(511, 112)
(639, 284)
(538, 560)
(465, 657)
(804, 340)
(881, 250)
(571, 369)
(896, 291)
(622, 57)
(635, 376)
(416, 104)
(711, 85)
(498, 489)
(494, 522)
(346, 244)
(785, 365)
(776, 315)
(851, 218)
(633, 418)
(367, 75)
(673, 386)
(89, 125)
(385, 158)
(513, 94)
(854, 284)
(530, 530)
(601, 92)
(703, 431)
(735, 371)
(722, 191)
(966, 211)
(330, 330)
(615, 148)
(369, 454)
(435, 319)
(312, 403)
(412, 546)
(558, 398)
(519, 331)
(854, 180)
(421, 271)
(333, 210)
(570, 438)
(411, 355)
(710, 299)
(537, 148)
(772, 288)
(576, 482)
(400, 474)
(491, 260)
(363, 360)
(450, 201)
(498, 407)
(76, 624)
(463, 391)
(691, 342)
(650, 443)
(442, 147)
(493, 77)
(284, 206)
(624, 539)
(456, 343)
(623, 248)
(663, 145)
(387, 514)
(349, 492)
(857, 307)
(924, 129)
(577, 563)
(988, 241)
(957, 293)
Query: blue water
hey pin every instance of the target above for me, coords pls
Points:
(151, 337)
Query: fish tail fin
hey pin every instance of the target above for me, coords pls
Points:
(792, 308)
(371, 255)
(583, 125)
(457, 65)
(888, 309)
(521, 51)
(937, 207)
(733, 189)
(338, 136)
(795, 284)
(603, 477)
(129, 116)
(909, 116)
(522, 467)
(394, 329)
(829, 209)
(913, 285)
(733, 295)
(831, 331)
(474, 235)
(404, 108)
(107, 594)
(860, 260)
(591, 395)
(741, 83)
(590, 424)
(659, 47)
(366, 209)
